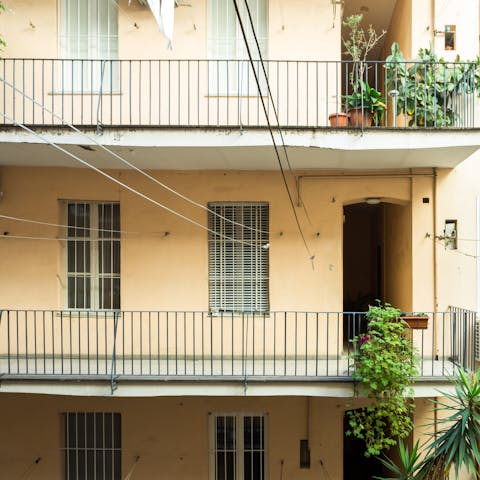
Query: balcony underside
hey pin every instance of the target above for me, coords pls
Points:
(235, 149)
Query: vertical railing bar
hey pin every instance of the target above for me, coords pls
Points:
(285, 344)
(274, 342)
(149, 338)
(26, 340)
(61, 341)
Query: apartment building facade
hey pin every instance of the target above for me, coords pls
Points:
(177, 296)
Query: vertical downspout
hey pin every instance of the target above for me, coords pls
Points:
(478, 256)
(432, 21)
(435, 295)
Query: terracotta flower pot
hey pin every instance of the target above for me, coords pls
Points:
(419, 322)
(360, 117)
(339, 119)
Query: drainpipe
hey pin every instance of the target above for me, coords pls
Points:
(434, 222)
(432, 21)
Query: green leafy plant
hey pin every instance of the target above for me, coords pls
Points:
(358, 45)
(427, 87)
(368, 98)
(384, 369)
(2, 41)
(458, 440)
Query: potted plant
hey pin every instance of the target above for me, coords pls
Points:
(415, 321)
(385, 367)
(365, 104)
(339, 119)
(426, 89)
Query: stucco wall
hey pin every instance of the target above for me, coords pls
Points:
(170, 435)
(31, 31)
(170, 272)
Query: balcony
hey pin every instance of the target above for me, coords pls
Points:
(223, 93)
(159, 109)
(119, 346)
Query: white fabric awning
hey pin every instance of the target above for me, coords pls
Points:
(163, 11)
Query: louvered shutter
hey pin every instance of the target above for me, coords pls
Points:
(239, 264)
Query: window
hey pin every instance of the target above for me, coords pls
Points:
(237, 447)
(88, 31)
(93, 255)
(238, 257)
(92, 445)
(225, 42)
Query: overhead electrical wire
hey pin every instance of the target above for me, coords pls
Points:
(274, 108)
(128, 163)
(58, 225)
(125, 186)
(277, 153)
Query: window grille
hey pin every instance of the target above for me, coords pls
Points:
(238, 450)
(239, 257)
(225, 42)
(93, 255)
(92, 446)
(88, 30)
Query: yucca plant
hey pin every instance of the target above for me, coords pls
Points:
(457, 442)
(408, 467)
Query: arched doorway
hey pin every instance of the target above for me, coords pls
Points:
(377, 255)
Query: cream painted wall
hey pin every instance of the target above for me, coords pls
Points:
(458, 191)
(400, 28)
(462, 13)
(304, 29)
(159, 270)
(171, 434)
(398, 256)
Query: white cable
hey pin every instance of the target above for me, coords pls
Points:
(124, 185)
(48, 224)
(126, 162)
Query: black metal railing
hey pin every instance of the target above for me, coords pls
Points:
(188, 345)
(223, 93)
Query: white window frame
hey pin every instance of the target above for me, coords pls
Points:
(239, 442)
(230, 72)
(94, 238)
(96, 71)
(80, 452)
(232, 288)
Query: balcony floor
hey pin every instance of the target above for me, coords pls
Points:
(181, 368)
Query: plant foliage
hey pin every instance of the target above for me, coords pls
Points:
(358, 44)
(410, 463)
(458, 439)
(2, 9)
(428, 89)
(384, 368)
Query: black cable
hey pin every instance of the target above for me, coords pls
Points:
(274, 108)
(257, 81)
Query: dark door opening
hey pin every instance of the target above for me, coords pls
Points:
(363, 270)
(356, 466)
(362, 256)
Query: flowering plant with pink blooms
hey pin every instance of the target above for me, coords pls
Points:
(384, 370)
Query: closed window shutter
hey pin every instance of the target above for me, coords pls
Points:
(239, 264)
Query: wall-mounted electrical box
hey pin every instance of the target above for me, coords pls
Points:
(450, 37)
(304, 454)
(450, 234)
